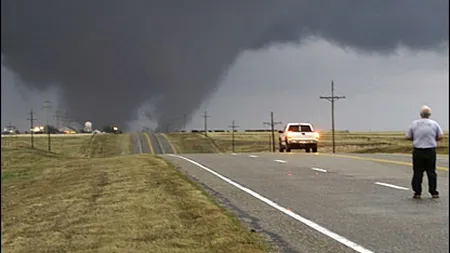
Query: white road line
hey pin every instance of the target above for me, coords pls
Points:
(139, 142)
(253, 156)
(311, 224)
(392, 186)
(280, 161)
(317, 169)
(233, 154)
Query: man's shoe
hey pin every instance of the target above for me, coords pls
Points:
(435, 196)
(416, 196)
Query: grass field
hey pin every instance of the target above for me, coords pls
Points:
(192, 143)
(91, 195)
(349, 142)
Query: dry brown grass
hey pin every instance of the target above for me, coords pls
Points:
(54, 202)
(362, 142)
(109, 145)
(71, 145)
(100, 145)
(192, 143)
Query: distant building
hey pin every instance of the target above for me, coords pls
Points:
(38, 130)
(68, 130)
(10, 130)
(87, 127)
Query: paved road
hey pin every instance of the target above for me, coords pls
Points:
(151, 143)
(364, 204)
(442, 160)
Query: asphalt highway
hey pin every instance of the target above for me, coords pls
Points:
(151, 143)
(323, 202)
(368, 204)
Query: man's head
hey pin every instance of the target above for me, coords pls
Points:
(425, 112)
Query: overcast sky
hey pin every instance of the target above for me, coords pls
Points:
(237, 59)
(382, 92)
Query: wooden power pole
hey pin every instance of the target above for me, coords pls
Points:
(332, 99)
(233, 129)
(272, 124)
(32, 119)
(206, 116)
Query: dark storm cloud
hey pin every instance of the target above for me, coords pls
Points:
(378, 26)
(110, 56)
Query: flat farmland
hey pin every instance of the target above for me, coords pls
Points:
(349, 142)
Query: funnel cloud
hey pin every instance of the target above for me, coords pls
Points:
(110, 57)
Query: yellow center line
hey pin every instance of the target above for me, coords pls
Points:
(149, 143)
(404, 154)
(170, 143)
(377, 160)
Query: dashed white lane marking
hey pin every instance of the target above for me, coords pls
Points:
(280, 161)
(233, 154)
(392, 186)
(253, 156)
(356, 247)
(317, 169)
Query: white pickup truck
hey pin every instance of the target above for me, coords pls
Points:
(298, 136)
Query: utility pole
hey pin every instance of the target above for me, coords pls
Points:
(32, 119)
(332, 99)
(272, 126)
(233, 129)
(206, 116)
(184, 122)
(48, 106)
(270, 136)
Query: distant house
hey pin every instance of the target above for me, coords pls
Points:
(37, 130)
(68, 130)
(10, 130)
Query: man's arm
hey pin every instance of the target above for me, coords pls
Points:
(440, 133)
(409, 134)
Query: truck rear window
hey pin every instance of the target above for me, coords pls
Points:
(300, 128)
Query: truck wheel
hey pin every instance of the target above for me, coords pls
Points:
(307, 150)
(288, 149)
(280, 147)
(314, 149)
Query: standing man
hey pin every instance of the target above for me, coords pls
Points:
(424, 133)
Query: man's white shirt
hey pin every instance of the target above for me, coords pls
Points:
(424, 132)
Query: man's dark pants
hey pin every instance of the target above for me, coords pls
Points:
(424, 160)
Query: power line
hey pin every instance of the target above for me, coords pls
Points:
(206, 116)
(32, 119)
(332, 99)
(270, 136)
(272, 125)
(233, 129)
